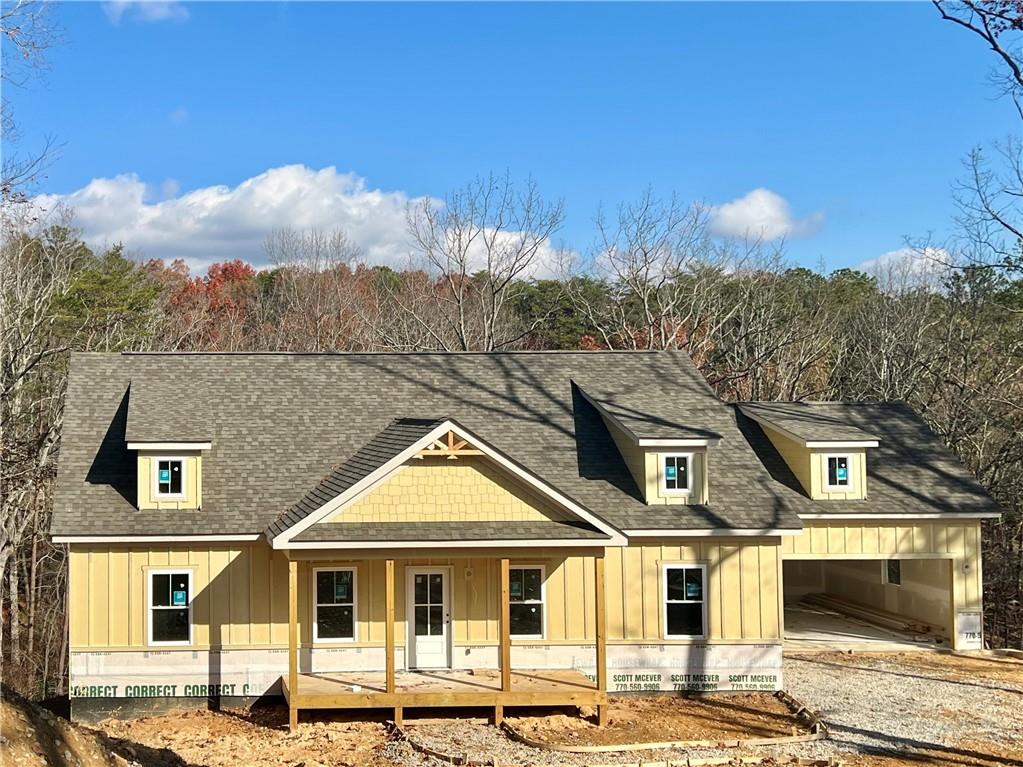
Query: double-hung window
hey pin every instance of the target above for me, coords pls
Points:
(335, 605)
(170, 606)
(676, 473)
(169, 481)
(685, 614)
(526, 598)
(839, 472)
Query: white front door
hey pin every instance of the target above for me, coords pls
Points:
(428, 615)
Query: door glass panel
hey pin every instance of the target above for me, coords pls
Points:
(436, 620)
(436, 589)
(422, 627)
(421, 596)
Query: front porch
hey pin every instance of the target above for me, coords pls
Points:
(494, 688)
(444, 688)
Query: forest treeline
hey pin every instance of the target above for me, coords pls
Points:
(930, 327)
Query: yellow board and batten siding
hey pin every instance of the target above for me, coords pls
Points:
(240, 596)
(191, 482)
(645, 466)
(944, 539)
(811, 467)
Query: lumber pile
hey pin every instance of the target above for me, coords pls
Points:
(869, 614)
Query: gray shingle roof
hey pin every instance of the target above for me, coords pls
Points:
(911, 472)
(810, 421)
(656, 411)
(447, 531)
(279, 423)
(397, 436)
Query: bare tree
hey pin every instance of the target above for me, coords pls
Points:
(475, 247)
(36, 268)
(998, 23)
(28, 31)
(314, 296)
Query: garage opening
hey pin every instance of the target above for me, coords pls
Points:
(865, 604)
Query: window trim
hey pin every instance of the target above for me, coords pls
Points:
(150, 572)
(157, 495)
(884, 572)
(317, 639)
(663, 478)
(543, 600)
(665, 566)
(828, 487)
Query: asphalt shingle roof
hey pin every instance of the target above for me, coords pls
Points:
(910, 472)
(811, 421)
(285, 427)
(656, 411)
(447, 531)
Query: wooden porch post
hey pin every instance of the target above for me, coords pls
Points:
(600, 613)
(505, 637)
(292, 645)
(389, 632)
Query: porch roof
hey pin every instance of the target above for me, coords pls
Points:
(440, 532)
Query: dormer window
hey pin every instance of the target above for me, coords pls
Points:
(839, 472)
(170, 478)
(676, 473)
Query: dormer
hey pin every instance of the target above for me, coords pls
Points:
(825, 452)
(668, 459)
(169, 474)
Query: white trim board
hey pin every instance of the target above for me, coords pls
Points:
(170, 445)
(476, 544)
(154, 538)
(723, 532)
(284, 539)
(949, 515)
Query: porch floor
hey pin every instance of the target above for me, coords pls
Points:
(476, 687)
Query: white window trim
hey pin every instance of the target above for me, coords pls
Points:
(156, 477)
(884, 572)
(543, 600)
(150, 572)
(663, 479)
(317, 639)
(848, 488)
(665, 566)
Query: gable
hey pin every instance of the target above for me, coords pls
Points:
(469, 489)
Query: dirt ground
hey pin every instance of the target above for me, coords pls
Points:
(720, 716)
(886, 710)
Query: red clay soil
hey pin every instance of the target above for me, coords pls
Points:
(661, 718)
(256, 738)
(31, 736)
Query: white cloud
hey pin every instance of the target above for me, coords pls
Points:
(761, 213)
(145, 11)
(908, 264)
(217, 223)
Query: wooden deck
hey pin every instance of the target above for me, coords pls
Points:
(413, 689)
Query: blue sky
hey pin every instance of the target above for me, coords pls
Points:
(854, 116)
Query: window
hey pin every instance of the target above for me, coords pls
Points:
(526, 593)
(684, 606)
(839, 472)
(170, 606)
(675, 473)
(170, 475)
(335, 605)
(892, 572)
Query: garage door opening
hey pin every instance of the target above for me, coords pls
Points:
(868, 604)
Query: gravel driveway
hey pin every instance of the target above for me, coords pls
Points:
(915, 702)
(884, 710)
